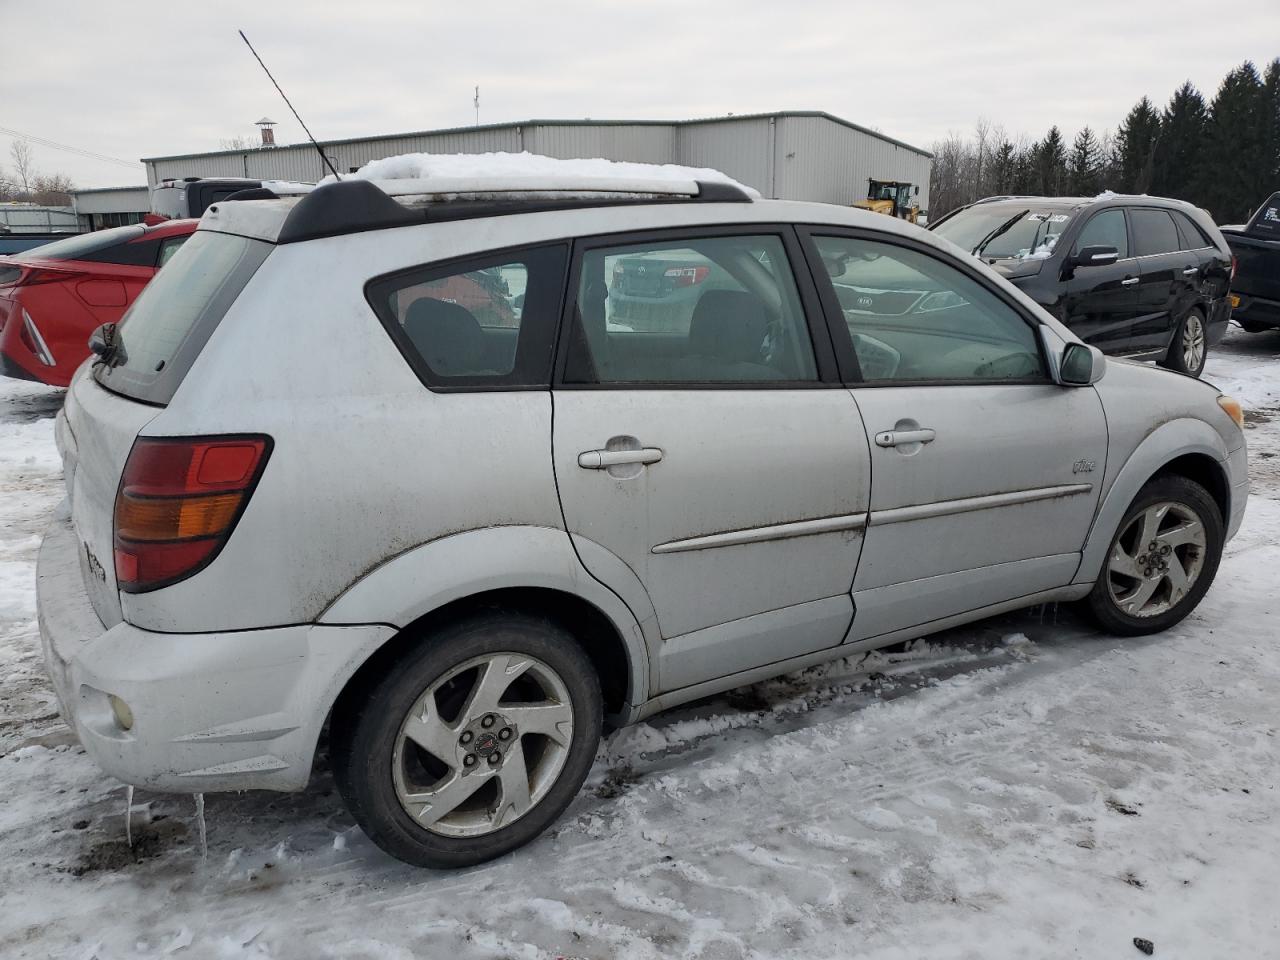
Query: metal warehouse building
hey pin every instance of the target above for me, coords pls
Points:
(111, 206)
(792, 155)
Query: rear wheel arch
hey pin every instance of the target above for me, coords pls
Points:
(599, 637)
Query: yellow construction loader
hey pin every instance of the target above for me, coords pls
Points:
(893, 197)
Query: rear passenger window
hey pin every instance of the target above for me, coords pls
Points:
(697, 310)
(1105, 229)
(1154, 233)
(1190, 236)
(486, 322)
(914, 318)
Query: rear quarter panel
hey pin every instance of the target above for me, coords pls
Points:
(367, 463)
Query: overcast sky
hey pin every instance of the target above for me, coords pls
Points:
(136, 79)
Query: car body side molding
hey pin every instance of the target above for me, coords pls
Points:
(942, 508)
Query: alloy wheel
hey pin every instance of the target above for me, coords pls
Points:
(1192, 342)
(483, 745)
(1156, 559)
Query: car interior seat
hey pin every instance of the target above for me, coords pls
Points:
(447, 336)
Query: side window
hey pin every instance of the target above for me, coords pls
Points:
(912, 317)
(1153, 233)
(169, 247)
(696, 310)
(487, 322)
(1105, 229)
(1190, 236)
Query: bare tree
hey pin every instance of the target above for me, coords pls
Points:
(52, 191)
(23, 166)
(28, 184)
(240, 142)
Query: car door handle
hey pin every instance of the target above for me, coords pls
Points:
(1130, 282)
(896, 438)
(1190, 271)
(603, 459)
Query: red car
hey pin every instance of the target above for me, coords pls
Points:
(53, 296)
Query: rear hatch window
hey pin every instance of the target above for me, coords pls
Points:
(1266, 222)
(164, 331)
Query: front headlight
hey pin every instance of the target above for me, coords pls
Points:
(1233, 408)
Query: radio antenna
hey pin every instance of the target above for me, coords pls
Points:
(327, 162)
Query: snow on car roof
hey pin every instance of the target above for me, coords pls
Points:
(417, 174)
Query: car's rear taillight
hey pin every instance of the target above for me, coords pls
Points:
(686, 276)
(1235, 263)
(178, 502)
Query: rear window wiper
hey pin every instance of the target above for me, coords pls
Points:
(106, 344)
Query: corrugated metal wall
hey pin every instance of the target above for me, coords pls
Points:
(112, 201)
(209, 165)
(792, 157)
(740, 148)
(641, 143)
(824, 161)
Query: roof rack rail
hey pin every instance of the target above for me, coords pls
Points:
(356, 206)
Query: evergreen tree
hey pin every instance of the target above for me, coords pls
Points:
(1024, 170)
(1108, 165)
(1051, 164)
(1241, 171)
(1178, 167)
(1135, 148)
(1271, 85)
(1004, 163)
(1084, 165)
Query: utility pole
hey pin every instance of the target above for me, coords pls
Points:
(477, 104)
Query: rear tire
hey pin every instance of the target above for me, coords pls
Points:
(471, 744)
(1161, 560)
(1253, 326)
(1190, 347)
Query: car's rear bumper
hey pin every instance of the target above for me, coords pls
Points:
(1258, 310)
(211, 711)
(11, 368)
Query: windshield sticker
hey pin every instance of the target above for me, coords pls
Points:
(1048, 218)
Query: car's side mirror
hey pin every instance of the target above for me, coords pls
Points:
(1096, 257)
(1081, 365)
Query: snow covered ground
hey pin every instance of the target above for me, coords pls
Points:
(1023, 788)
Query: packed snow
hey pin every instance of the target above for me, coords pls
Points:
(1022, 788)
(550, 173)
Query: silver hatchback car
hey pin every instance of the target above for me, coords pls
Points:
(379, 461)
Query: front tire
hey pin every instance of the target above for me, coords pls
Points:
(1161, 561)
(472, 744)
(1190, 347)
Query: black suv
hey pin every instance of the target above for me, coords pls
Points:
(1135, 276)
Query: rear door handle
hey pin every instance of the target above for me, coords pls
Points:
(1129, 283)
(603, 459)
(1190, 271)
(896, 438)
